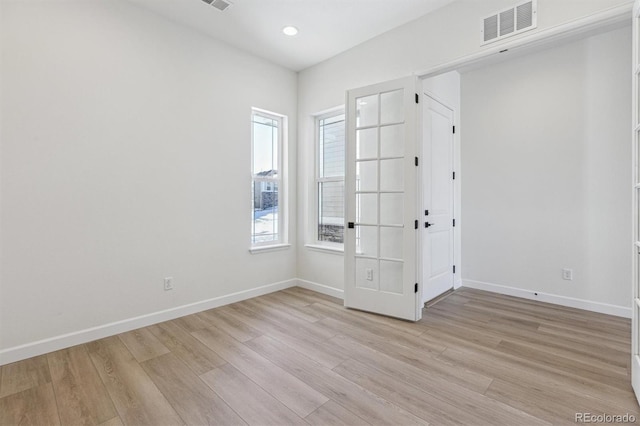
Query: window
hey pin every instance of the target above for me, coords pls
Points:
(330, 177)
(266, 183)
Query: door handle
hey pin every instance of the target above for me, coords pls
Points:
(427, 224)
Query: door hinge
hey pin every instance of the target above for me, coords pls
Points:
(416, 161)
(417, 98)
(454, 130)
(454, 175)
(454, 269)
(416, 224)
(416, 288)
(454, 223)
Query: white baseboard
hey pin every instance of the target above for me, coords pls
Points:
(321, 288)
(457, 283)
(603, 308)
(44, 346)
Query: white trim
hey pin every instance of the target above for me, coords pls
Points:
(635, 124)
(441, 101)
(603, 308)
(265, 249)
(332, 249)
(578, 26)
(44, 346)
(457, 283)
(320, 288)
(328, 112)
(281, 179)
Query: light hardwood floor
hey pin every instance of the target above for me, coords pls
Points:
(299, 357)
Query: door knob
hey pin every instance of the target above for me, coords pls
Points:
(427, 224)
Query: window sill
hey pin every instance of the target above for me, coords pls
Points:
(264, 249)
(325, 249)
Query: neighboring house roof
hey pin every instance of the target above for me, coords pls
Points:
(267, 173)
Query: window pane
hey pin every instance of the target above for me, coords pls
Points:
(391, 240)
(265, 146)
(331, 146)
(637, 77)
(268, 121)
(637, 145)
(367, 143)
(391, 106)
(638, 216)
(392, 141)
(331, 211)
(391, 209)
(265, 212)
(391, 175)
(366, 176)
(366, 240)
(367, 111)
(367, 209)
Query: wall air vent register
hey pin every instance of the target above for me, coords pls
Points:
(509, 22)
(218, 4)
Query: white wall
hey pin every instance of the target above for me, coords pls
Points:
(126, 159)
(445, 35)
(545, 155)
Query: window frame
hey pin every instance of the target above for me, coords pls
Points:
(280, 181)
(317, 180)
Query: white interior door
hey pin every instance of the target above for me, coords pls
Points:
(635, 340)
(437, 197)
(380, 191)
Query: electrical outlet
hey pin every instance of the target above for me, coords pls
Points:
(168, 283)
(369, 274)
(567, 274)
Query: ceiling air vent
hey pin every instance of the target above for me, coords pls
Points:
(509, 22)
(218, 4)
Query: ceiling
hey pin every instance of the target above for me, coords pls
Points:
(326, 27)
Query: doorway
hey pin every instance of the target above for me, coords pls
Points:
(480, 274)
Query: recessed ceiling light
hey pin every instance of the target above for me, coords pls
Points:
(290, 31)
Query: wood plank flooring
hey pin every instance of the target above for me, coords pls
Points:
(299, 357)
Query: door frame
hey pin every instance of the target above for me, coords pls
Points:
(635, 196)
(527, 43)
(457, 281)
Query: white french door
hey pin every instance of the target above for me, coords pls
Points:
(380, 190)
(635, 340)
